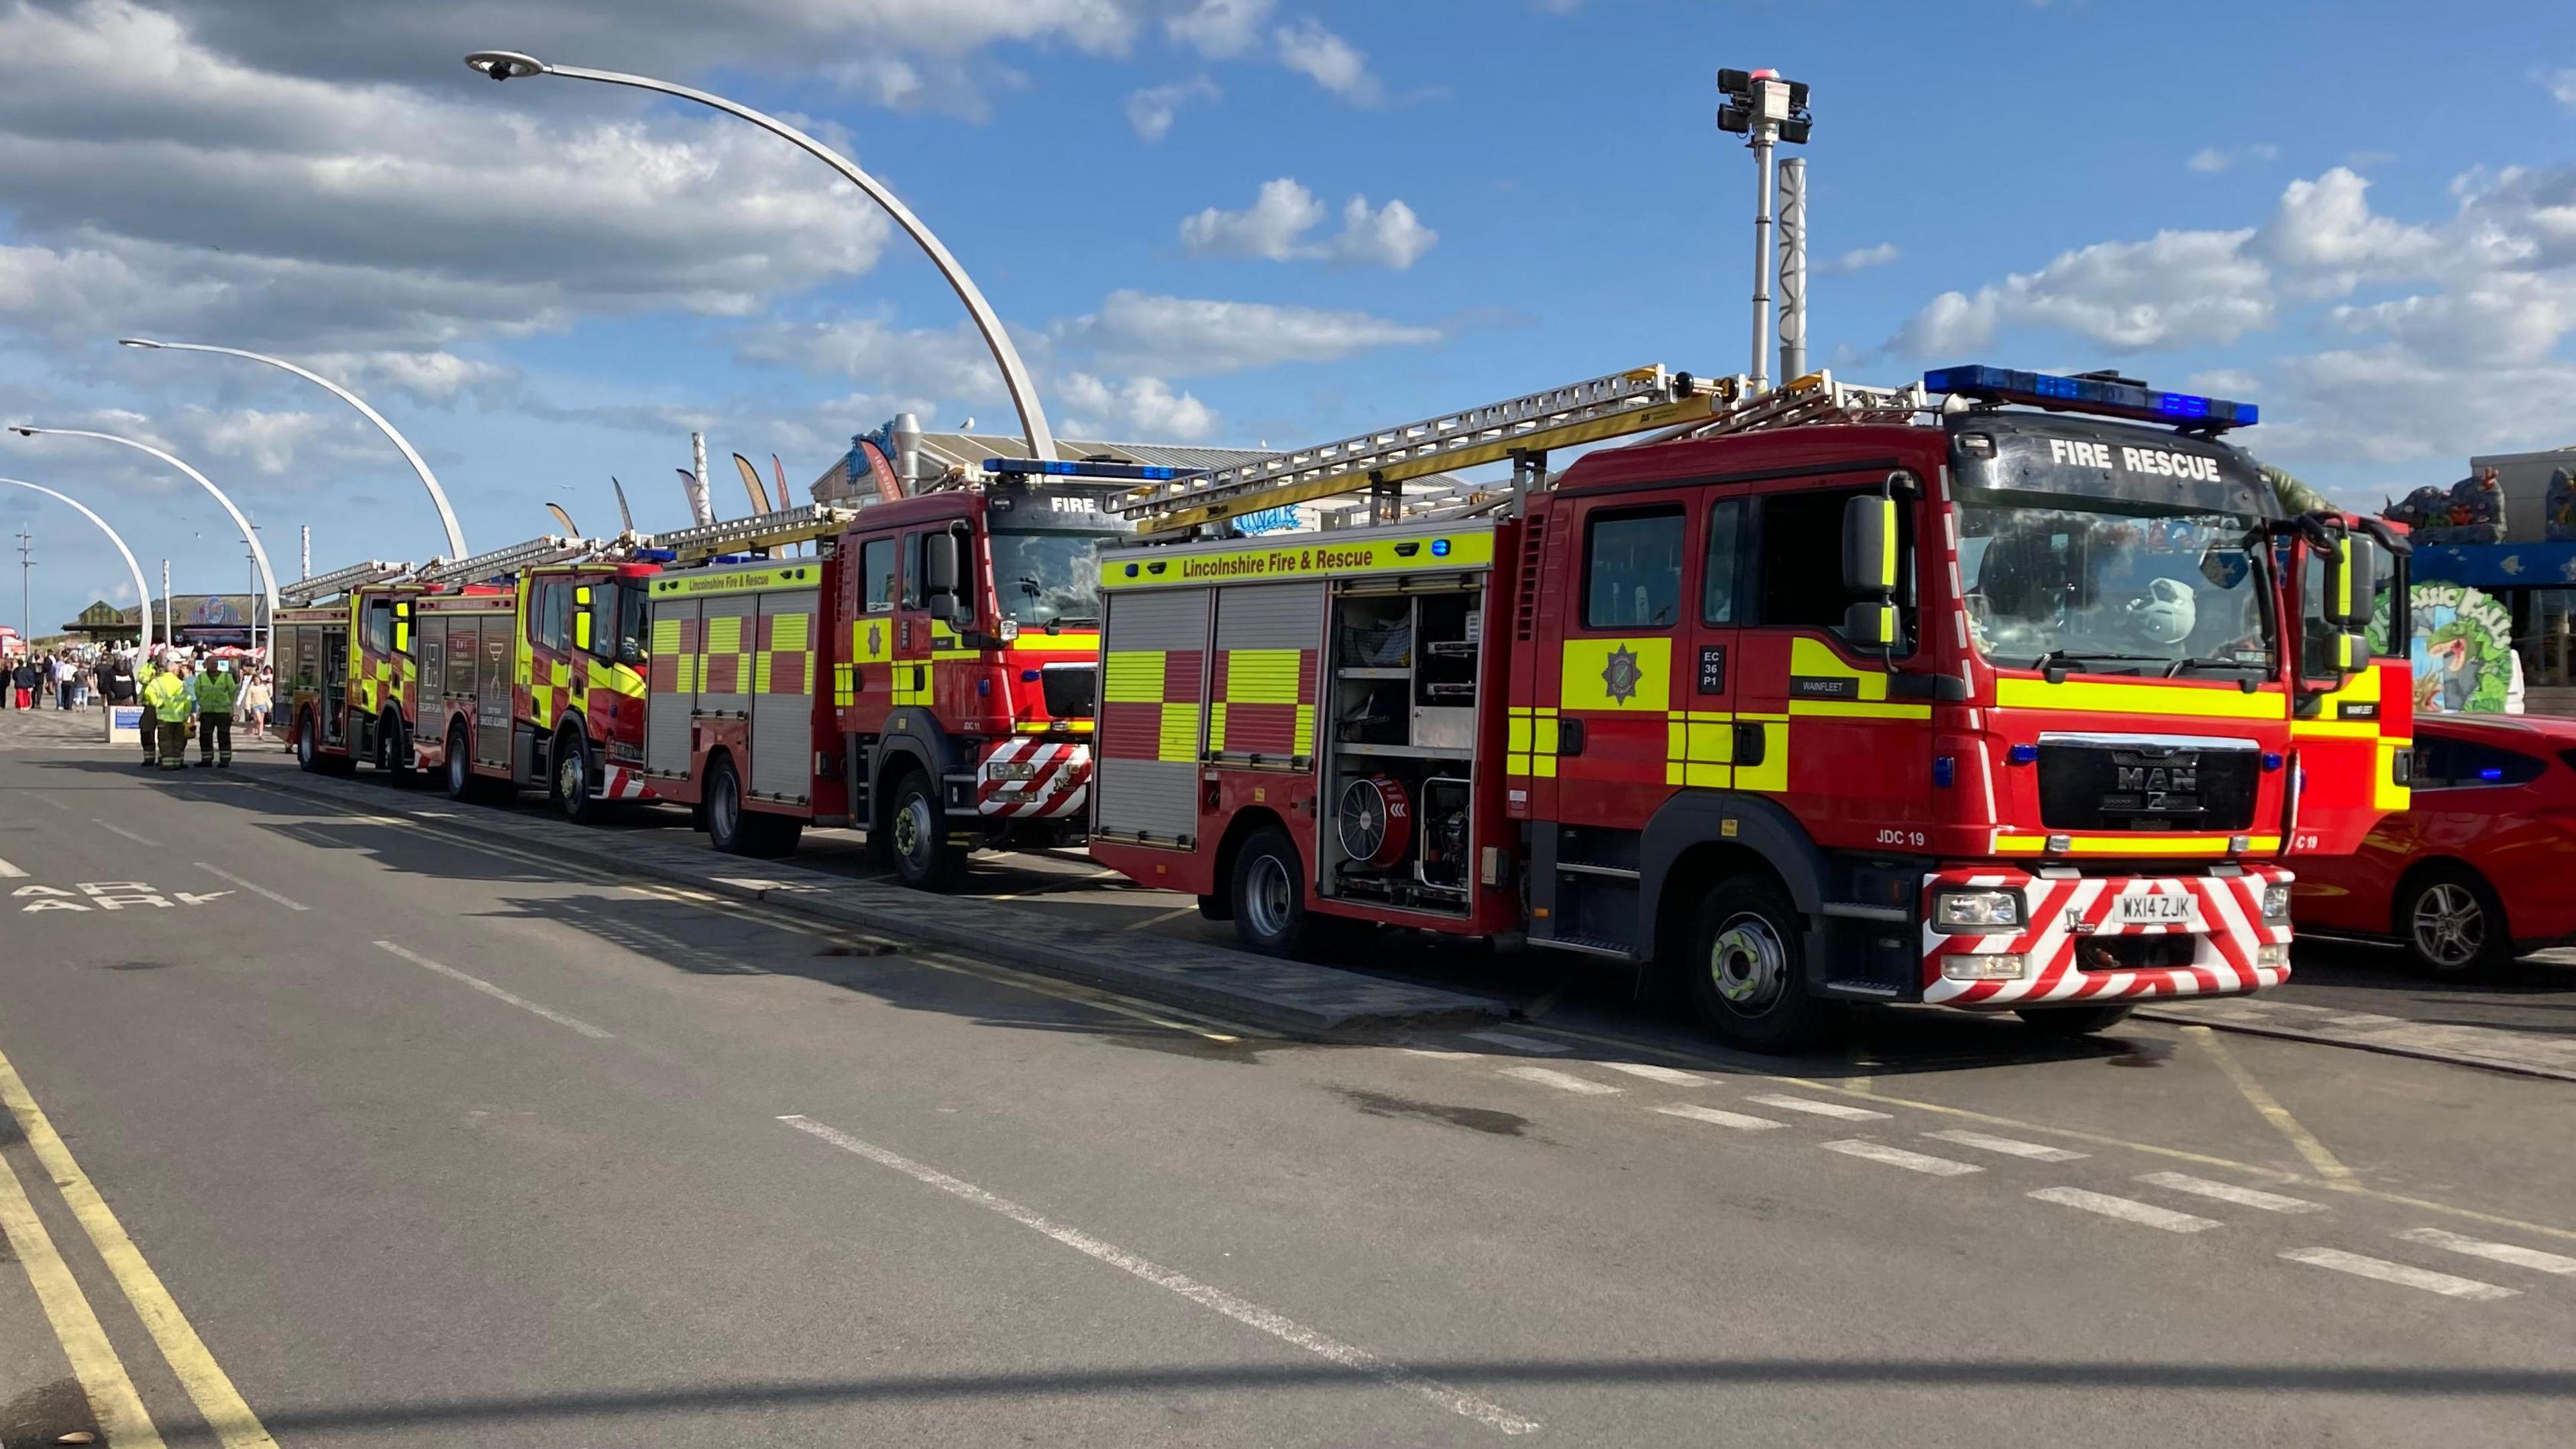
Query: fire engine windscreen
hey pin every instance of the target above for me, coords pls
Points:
(1049, 578)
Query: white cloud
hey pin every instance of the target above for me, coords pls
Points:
(1139, 408)
(2180, 287)
(945, 362)
(2325, 232)
(1152, 110)
(1219, 29)
(2562, 86)
(1858, 259)
(431, 377)
(1307, 48)
(1199, 337)
(2212, 159)
(267, 441)
(1275, 228)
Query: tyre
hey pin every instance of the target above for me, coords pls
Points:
(393, 751)
(308, 755)
(917, 837)
(2074, 1021)
(2451, 923)
(1270, 914)
(736, 830)
(1747, 969)
(575, 777)
(457, 778)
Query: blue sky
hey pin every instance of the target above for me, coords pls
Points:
(1233, 221)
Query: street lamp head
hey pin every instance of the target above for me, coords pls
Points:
(503, 65)
(139, 342)
(24, 432)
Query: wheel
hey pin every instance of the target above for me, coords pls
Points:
(917, 834)
(573, 778)
(2451, 922)
(1270, 914)
(2073, 1021)
(308, 756)
(457, 776)
(738, 831)
(1747, 970)
(393, 751)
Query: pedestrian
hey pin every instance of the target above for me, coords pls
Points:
(84, 683)
(217, 691)
(255, 701)
(63, 672)
(24, 679)
(167, 695)
(148, 725)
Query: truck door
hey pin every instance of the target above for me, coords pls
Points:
(1705, 741)
(870, 588)
(1855, 763)
(1616, 687)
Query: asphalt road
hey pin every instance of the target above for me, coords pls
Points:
(334, 1128)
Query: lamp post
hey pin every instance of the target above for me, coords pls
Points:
(1767, 110)
(503, 65)
(411, 455)
(268, 576)
(142, 590)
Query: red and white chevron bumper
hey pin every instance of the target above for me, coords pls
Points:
(621, 782)
(2079, 942)
(1037, 779)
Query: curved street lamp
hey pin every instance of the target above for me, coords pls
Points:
(503, 65)
(259, 555)
(437, 495)
(142, 590)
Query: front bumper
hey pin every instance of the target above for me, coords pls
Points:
(2075, 947)
(1058, 785)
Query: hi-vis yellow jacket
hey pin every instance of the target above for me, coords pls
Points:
(168, 696)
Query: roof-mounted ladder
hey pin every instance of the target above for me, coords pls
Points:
(339, 581)
(500, 563)
(762, 530)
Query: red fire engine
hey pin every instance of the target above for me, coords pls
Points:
(1807, 697)
(2354, 726)
(930, 676)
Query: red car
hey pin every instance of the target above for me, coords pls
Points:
(2482, 869)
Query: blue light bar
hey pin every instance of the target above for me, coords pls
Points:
(2092, 395)
(1124, 472)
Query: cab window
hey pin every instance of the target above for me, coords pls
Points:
(1717, 577)
(912, 571)
(550, 617)
(380, 626)
(1632, 568)
(1800, 562)
(617, 621)
(876, 575)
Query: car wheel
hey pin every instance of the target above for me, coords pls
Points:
(2451, 922)
(2073, 1021)
(1747, 970)
(917, 835)
(1270, 914)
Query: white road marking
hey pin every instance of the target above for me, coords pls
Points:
(1159, 917)
(1439, 1055)
(2008, 1146)
(11, 872)
(1899, 1157)
(2270, 1202)
(121, 830)
(495, 992)
(1519, 1043)
(1819, 1109)
(1562, 1081)
(1243, 1311)
(2398, 1273)
(2519, 1257)
(257, 890)
(1738, 1120)
(2125, 1209)
(1669, 1076)
(49, 800)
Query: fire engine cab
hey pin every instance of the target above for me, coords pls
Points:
(1979, 692)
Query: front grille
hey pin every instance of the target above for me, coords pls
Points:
(2135, 953)
(1069, 689)
(2120, 785)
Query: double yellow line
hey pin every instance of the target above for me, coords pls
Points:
(119, 1410)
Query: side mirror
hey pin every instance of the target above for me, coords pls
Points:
(2352, 653)
(581, 625)
(1870, 624)
(939, 564)
(402, 632)
(581, 597)
(1869, 545)
(2346, 594)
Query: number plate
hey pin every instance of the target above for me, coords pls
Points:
(2151, 911)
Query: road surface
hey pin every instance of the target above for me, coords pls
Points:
(331, 1127)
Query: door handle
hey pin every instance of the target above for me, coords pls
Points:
(1569, 738)
(1748, 744)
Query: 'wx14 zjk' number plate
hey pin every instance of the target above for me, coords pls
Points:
(2151, 911)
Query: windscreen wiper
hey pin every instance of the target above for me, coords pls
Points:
(2054, 662)
(2212, 661)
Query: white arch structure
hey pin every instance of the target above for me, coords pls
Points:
(259, 555)
(142, 589)
(510, 64)
(437, 495)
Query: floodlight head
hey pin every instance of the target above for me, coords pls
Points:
(139, 342)
(503, 65)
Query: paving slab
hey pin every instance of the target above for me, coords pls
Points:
(1289, 997)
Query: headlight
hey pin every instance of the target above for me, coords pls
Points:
(1976, 910)
(2276, 903)
(1990, 966)
(1011, 770)
(2271, 957)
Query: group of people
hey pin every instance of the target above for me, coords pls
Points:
(183, 696)
(61, 679)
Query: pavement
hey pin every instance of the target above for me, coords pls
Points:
(332, 1124)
